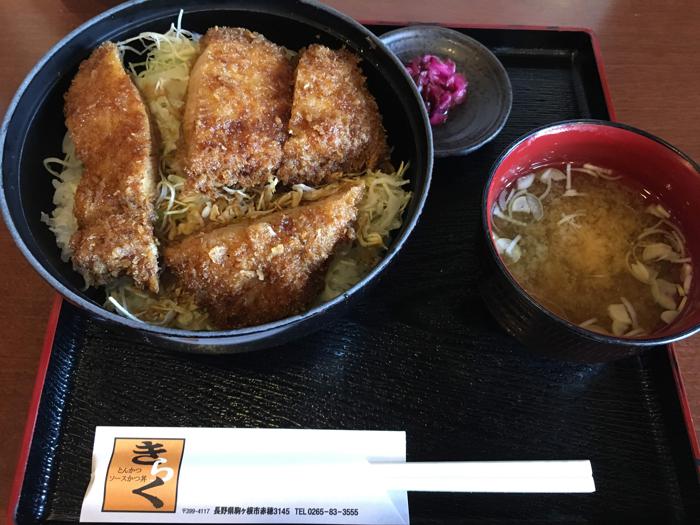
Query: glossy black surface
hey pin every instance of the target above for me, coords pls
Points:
(37, 113)
(419, 353)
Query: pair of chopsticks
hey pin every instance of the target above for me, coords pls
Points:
(488, 476)
(457, 476)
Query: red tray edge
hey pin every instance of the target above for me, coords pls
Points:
(23, 456)
(685, 407)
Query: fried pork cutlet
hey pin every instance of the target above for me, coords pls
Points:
(335, 126)
(110, 126)
(238, 102)
(258, 271)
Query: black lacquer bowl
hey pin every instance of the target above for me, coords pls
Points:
(34, 126)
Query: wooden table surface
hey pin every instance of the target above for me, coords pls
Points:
(650, 54)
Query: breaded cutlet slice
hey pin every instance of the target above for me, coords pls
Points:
(238, 103)
(335, 126)
(113, 136)
(257, 271)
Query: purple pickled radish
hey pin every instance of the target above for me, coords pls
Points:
(459, 85)
(438, 118)
(445, 101)
(444, 69)
(439, 84)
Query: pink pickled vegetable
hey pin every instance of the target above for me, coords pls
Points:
(441, 87)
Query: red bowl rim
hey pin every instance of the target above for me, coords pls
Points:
(587, 334)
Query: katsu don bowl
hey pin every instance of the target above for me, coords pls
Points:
(215, 176)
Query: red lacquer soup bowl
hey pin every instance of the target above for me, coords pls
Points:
(665, 173)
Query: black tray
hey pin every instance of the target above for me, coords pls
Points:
(418, 354)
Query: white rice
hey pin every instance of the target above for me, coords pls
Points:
(62, 221)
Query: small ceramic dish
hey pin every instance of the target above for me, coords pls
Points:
(482, 116)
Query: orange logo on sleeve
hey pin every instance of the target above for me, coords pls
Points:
(143, 475)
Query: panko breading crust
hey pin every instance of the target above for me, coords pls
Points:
(335, 126)
(238, 104)
(110, 126)
(269, 268)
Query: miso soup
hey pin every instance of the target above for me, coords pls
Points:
(592, 250)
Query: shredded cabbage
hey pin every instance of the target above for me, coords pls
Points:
(162, 78)
(169, 308)
(379, 214)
